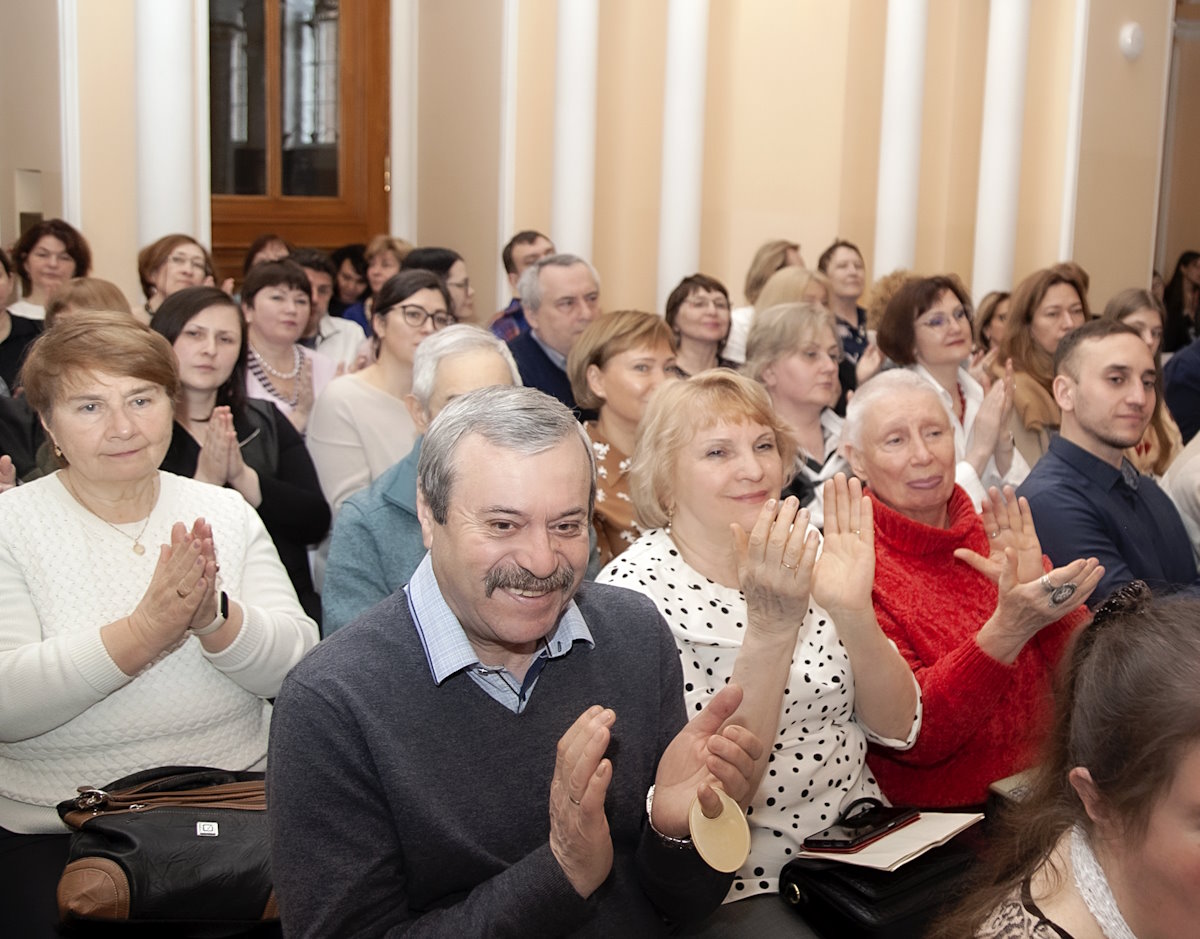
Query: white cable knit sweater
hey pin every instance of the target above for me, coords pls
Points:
(68, 715)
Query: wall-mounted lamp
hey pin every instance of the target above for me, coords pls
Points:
(1131, 40)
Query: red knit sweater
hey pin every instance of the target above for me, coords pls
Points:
(982, 720)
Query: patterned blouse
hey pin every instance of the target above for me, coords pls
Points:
(612, 518)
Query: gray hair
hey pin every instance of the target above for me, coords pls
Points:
(521, 419)
(458, 339)
(882, 388)
(529, 287)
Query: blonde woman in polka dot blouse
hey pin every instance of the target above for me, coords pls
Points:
(731, 569)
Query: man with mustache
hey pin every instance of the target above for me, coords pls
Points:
(498, 748)
(1087, 499)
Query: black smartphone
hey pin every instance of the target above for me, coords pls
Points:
(862, 829)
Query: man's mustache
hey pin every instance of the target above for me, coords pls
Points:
(517, 578)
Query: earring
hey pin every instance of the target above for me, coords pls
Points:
(58, 451)
(670, 518)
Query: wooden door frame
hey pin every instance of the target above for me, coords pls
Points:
(362, 209)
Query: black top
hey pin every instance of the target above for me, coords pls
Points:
(20, 434)
(14, 346)
(293, 508)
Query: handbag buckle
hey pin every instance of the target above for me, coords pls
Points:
(90, 798)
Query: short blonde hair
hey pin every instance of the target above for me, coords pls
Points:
(95, 341)
(880, 294)
(769, 258)
(779, 331)
(609, 335)
(381, 243)
(788, 284)
(676, 413)
(86, 293)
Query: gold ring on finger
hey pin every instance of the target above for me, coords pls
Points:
(182, 594)
(574, 801)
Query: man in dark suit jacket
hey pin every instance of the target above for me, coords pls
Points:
(561, 296)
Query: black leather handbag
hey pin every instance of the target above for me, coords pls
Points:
(178, 844)
(849, 902)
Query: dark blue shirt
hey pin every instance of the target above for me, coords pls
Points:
(1083, 507)
(1181, 388)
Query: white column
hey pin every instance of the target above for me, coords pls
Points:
(1000, 147)
(1066, 227)
(573, 200)
(506, 217)
(900, 135)
(402, 209)
(201, 140)
(68, 83)
(682, 144)
(166, 119)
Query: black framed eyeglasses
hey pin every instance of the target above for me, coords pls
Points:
(415, 316)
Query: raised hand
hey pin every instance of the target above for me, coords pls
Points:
(775, 564)
(845, 570)
(1008, 522)
(8, 473)
(703, 755)
(868, 364)
(1024, 609)
(212, 466)
(980, 366)
(579, 835)
(180, 593)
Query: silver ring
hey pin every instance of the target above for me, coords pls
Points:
(858, 531)
(995, 534)
(1062, 594)
(1047, 586)
(790, 567)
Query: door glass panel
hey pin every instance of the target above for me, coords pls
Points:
(237, 97)
(311, 116)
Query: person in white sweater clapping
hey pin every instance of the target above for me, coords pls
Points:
(124, 644)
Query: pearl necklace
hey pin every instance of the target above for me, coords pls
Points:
(296, 356)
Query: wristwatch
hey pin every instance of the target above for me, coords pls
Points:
(666, 839)
(218, 620)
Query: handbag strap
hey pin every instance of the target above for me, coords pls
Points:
(154, 789)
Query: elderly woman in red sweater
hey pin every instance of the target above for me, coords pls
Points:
(967, 598)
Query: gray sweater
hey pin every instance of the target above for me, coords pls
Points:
(400, 807)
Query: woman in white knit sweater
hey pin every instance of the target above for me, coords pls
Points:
(124, 644)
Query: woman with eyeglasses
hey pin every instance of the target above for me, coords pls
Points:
(171, 264)
(46, 256)
(794, 352)
(698, 314)
(360, 425)
(450, 266)
(927, 328)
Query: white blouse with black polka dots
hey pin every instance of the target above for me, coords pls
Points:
(818, 766)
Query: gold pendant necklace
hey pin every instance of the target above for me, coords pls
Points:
(138, 548)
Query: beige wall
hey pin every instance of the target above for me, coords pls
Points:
(1182, 188)
(794, 97)
(1117, 210)
(108, 141)
(458, 137)
(629, 113)
(30, 135)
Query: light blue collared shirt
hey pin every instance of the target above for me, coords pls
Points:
(448, 650)
(552, 354)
